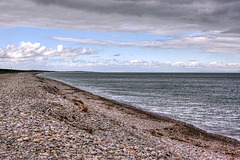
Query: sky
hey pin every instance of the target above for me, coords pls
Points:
(121, 35)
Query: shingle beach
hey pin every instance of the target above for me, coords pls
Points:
(45, 119)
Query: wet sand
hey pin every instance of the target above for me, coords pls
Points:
(43, 118)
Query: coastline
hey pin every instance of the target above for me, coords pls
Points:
(153, 114)
(142, 134)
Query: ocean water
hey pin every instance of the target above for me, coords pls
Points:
(210, 101)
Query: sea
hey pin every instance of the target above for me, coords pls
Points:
(210, 101)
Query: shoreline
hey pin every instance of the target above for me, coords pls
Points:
(153, 115)
(42, 118)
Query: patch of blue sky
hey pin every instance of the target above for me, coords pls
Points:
(13, 36)
(44, 36)
(161, 55)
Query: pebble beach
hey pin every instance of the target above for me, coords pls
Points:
(42, 118)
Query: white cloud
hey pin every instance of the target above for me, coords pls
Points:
(29, 51)
(209, 42)
(138, 64)
(60, 48)
(136, 61)
(39, 59)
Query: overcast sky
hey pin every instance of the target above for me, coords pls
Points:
(121, 35)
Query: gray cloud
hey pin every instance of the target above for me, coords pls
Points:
(116, 55)
(129, 8)
(165, 17)
(110, 15)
